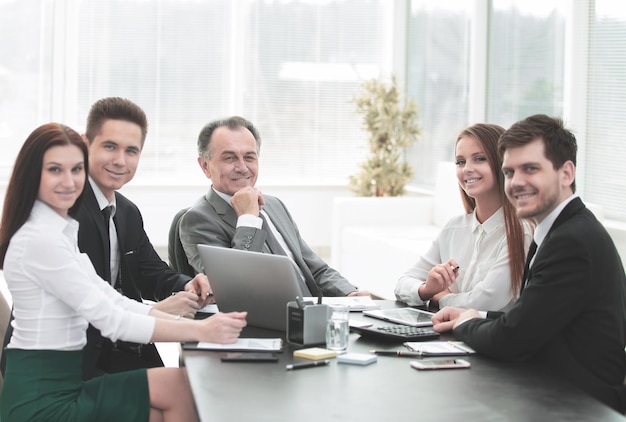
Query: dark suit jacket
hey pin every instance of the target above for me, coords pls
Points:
(211, 221)
(571, 316)
(143, 274)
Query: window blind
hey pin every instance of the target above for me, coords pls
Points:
(606, 125)
(24, 74)
(438, 81)
(526, 46)
(291, 67)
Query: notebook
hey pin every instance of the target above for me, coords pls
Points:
(258, 283)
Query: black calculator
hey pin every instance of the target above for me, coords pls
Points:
(399, 333)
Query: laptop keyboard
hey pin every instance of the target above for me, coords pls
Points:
(398, 333)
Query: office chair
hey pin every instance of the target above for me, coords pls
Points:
(175, 252)
(5, 315)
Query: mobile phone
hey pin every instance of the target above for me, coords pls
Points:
(250, 357)
(440, 364)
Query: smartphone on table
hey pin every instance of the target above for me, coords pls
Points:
(440, 364)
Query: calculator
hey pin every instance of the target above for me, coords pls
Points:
(399, 333)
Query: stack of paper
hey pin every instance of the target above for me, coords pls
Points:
(242, 344)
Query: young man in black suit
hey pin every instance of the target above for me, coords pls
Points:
(571, 314)
(117, 244)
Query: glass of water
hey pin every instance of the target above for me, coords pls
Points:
(337, 329)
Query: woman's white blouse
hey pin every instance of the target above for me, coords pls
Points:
(57, 292)
(484, 278)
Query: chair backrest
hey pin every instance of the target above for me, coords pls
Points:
(5, 316)
(175, 252)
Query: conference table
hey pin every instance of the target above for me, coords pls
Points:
(389, 389)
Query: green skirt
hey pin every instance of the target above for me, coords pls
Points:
(46, 385)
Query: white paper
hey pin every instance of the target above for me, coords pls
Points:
(259, 344)
(211, 308)
(452, 347)
(355, 303)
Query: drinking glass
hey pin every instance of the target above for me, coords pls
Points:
(337, 329)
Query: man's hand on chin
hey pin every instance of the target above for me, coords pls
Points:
(247, 201)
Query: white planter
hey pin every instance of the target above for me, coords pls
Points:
(375, 240)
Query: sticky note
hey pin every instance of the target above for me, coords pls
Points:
(314, 353)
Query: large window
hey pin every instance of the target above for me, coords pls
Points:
(522, 68)
(25, 59)
(292, 67)
(525, 66)
(526, 59)
(170, 57)
(438, 54)
(606, 109)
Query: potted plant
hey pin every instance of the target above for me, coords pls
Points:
(392, 125)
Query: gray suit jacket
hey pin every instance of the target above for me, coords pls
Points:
(212, 221)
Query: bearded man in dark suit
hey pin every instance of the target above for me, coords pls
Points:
(570, 317)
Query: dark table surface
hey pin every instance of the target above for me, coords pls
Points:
(387, 390)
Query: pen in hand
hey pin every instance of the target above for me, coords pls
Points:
(294, 366)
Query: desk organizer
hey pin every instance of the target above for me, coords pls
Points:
(306, 325)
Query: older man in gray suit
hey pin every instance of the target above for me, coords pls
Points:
(234, 214)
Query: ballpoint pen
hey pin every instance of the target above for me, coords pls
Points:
(461, 347)
(294, 366)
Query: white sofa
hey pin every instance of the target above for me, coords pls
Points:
(375, 240)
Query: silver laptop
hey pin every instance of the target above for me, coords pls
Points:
(258, 283)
